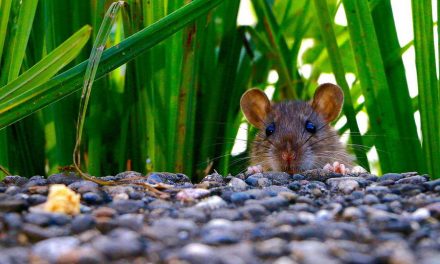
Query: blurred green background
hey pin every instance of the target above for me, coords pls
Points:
(173, 71)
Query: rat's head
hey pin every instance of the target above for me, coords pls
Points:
(294, 135)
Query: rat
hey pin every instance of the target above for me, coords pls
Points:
(296, 136)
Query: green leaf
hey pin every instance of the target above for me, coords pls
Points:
(372, 76)
(47, 67)
(429, 101)
(19, 40)
(89, 76)
(5, 7)
(280, 51)
(398, 87)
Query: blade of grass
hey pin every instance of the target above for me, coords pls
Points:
(48, 66)
(371, 73)
(179, 69)
(89, 77)
(234, 115)
(207, 71)
(279, 48)
(187, 101)
(18, 42)
(395, 73)
(58, 27)
(96, 121)
(137, 124)
(5, 7)
(156, 93)
(68, 82)
(427, 83)
(329, 37)
(221, 84)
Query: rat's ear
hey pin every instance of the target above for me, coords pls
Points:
(328, 100)
(255, 106)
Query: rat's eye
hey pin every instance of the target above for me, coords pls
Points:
(310, 127)
(270, 129)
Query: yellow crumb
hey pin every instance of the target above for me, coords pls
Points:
(62, 200)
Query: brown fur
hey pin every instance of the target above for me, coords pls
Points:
(310, 151)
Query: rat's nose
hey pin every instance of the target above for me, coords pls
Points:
(288, 156)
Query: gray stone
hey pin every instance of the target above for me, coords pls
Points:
(134, 222)
(173, 231)
(431, 185)
(15, 180)
(253, 212)
(13, 205)
(51, 249)
(229, 214)
(274, 247)
(15, 255)
(237, 184)
(390, 176)
(211, 203)
(82, 223)
(376, 190)
(263, 182)
(253, 179)
(63, 178)
(35, 199)
(195, 214)
(274, 190)
(215, 177)
(83, 254)
(127, 206)
(344, 184)
(240, 197)
(412, 180)
(371, 199)
(278, 178)
(84, 186)
(36, 233)
(120, 243)
(168, 178)
(311, 252)
(199, 254)
(274, 203)
(13, 220)
(351, 213)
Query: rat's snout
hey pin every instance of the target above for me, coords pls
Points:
(288, 156)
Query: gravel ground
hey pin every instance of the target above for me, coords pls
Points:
(315, 217)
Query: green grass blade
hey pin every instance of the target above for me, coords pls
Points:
(70, 81)
(396, 77)
(89, 77)
(48, 66)
(428, 84)
(371, 73)
(179, 48)
(19, 40)
(184, 134)
(328, 34)
(279, 48)
(219, 83)
(5, 7)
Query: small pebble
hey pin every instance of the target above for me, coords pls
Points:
(51, 249)
(390, 176)
(82, 223)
